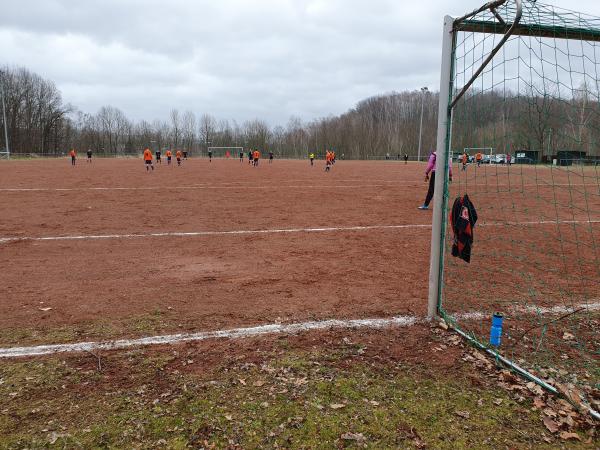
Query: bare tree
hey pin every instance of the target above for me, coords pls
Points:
(175, 127)
(188, 127)
(207, 128)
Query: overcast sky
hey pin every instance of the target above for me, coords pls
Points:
(236, 59)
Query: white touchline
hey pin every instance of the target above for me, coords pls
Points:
(213, 233)
(274, 231)
(261, 330)
(227, 186)
(530, 309)
(235, 333)
(280, 186)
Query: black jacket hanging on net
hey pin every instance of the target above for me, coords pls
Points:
(462, 219)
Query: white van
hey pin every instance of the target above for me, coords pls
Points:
(499, 158)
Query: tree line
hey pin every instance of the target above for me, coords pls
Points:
(39, 122)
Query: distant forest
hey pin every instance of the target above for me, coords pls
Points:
(39, 122)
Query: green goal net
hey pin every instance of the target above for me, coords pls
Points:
(525, 82)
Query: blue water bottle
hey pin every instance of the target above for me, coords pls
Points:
(496, 331)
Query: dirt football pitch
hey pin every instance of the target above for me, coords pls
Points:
(110, 251)
(255, 272)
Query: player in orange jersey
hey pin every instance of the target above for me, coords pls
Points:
(169, 155)
(148, 159)
(256, 156)
(178, 157)
(73, 156)
(327, 161)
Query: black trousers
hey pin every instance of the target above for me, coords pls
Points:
(431, 188)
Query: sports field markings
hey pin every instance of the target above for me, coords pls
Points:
(232, 186)
(530, 309)
(224, 186)
(235, 333)
(214, 233)
(273, 231)
(248, 332)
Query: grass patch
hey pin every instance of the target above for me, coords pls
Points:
(294, 398)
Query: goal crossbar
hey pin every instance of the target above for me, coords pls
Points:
(535, 30)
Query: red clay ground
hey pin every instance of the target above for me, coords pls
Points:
(209, 282)
(135, 286)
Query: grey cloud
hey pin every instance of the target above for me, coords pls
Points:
(235, 59)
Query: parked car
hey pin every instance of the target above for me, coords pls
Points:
(499, 158)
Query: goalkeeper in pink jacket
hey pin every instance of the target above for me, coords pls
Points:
(430, 176)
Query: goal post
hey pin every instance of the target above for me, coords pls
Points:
(222, 152)
(519, 77)
(4, 151)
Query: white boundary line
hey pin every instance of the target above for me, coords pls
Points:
(261, 330)
(274, 231)
(225, 186)
(235, 333)
(213, 233)
(491, 186)
(531, 309)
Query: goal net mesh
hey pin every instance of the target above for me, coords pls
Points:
(536, 252)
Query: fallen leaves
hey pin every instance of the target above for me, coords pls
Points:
(557, 414)
(463, 414)
(535, 389)
(538, 403)
(337, 406)
(406, 432)
(358, 437)
(572, 393)
(550, 424)
(54, 436)
(567, 436)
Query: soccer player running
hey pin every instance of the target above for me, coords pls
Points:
(73, 156)
(148, 159)
(312, 159)
(241, 157)
(478, 158)
(270, 157)
(169, 155)
(158, 155)
(178, 157)
(210, 156)
(256, 157)
(465, 160)
(405, 158)
(328, 158)
(250, 156)
(89, 155)
(431, 167)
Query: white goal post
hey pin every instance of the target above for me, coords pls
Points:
(222, 150)
(483, 150)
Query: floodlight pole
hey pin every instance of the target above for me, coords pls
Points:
(4, 119)
(423, 92)
(442, 148)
